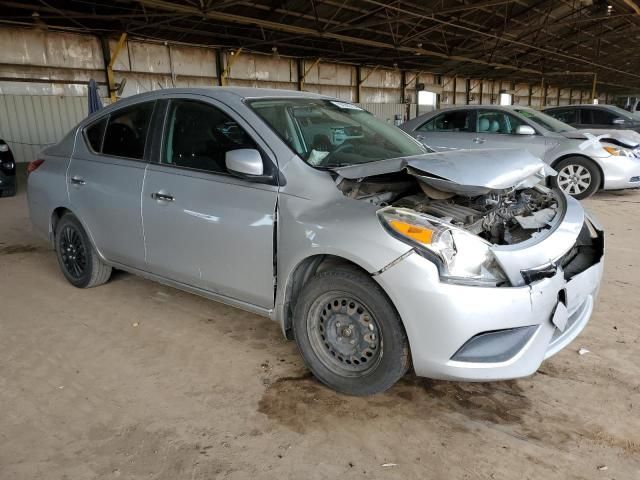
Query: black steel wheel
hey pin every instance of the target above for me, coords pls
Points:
(343, 334)
(78, 259)
(349, 334)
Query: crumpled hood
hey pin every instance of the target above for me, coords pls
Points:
(464, 172)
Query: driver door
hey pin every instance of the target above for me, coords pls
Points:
(497, 129)
(203, 226)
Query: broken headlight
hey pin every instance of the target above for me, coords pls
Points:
(461, 257)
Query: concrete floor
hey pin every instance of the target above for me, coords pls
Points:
(136, 380)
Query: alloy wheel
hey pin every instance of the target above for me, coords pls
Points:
(73, 252)
(574, 179)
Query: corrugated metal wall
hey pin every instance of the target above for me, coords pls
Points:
(28, 122)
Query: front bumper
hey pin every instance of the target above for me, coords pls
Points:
(620, 172)
(440, 318)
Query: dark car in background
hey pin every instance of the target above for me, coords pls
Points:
(7, 171)
(596, 116)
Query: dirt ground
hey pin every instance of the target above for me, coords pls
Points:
(135, 380)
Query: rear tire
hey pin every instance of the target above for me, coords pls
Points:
(577, 176)
(77, 257)
(349, 334)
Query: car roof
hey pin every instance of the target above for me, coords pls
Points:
(242, 92)
(580, 105)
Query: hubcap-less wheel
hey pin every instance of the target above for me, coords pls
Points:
(72, 249)
(574, 179)
(344, 335)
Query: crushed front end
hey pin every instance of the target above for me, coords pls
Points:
(499, 278)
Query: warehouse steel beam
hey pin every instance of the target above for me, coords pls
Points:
(227, 69)
(289, 28)
(110, 77)
(303, 78)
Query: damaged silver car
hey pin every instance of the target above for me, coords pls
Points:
(372, 253)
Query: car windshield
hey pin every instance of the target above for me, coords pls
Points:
(621, 112)
(330, 133)
(545, 121)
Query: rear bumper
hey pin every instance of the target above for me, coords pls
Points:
(7, 182)
(440, 318)
(620, 172)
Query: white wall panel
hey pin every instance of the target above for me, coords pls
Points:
(29, 123)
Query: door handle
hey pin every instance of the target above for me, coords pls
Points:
(76, 180)
(479, 140)
(164, 197)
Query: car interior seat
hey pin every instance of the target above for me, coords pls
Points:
(495, 126)
(484, 125)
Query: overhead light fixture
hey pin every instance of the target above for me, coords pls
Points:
(275, 53)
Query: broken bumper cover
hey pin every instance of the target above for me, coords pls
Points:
(471, 333)
(620, 172)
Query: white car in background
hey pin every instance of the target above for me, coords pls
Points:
(585, 162)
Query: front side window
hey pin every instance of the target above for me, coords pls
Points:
(329, 133)
(569, 116)
(126, 132)
(453, 121)
(199, 135)
(495, 121)
(601, 116)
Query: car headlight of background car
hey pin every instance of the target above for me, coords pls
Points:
(618, 151)
(461, 256)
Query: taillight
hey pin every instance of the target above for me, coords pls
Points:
(33, 166)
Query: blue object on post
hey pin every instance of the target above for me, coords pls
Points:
(93, 96)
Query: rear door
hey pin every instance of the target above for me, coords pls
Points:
(203, 226)
(105, 179)
(449, 130)
(497, 129)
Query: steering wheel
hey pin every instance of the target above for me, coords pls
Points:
(346, 147)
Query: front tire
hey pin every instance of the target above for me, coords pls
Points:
(78, 259)
(349, 334)
(577, 176)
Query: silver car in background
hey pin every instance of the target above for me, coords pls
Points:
(585, 162)
(370, 252)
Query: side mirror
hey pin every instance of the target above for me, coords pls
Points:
(618, 121)
(244, 161)
(525, 130)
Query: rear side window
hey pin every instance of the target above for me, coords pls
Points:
(95, 134)
(126, 132)
(454, 121)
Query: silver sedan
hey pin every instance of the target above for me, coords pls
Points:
(585, 161)
(371, 253)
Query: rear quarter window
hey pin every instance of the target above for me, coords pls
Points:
(94, 134)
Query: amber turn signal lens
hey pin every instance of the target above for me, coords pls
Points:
(414, 232)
